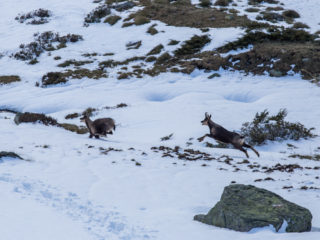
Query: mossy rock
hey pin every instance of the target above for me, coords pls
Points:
(244, 207)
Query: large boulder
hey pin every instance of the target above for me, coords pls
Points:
(244, 207)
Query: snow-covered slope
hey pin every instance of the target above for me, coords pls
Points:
(73, 187)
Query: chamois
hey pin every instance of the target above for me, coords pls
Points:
(221, 134)
(99, 127)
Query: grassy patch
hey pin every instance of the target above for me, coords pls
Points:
(275, 35)
(53, 78)
(152, 30)
(9, 79)
(183, 13)
(265, 127)
(140, 20)
(290, 14)
(74, 128)
(72, 116)
(74, 62)
(112, 19)
(315, 157)
(194, 45)
(28, 117)
(156, 50)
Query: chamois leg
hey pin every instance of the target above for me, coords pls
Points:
(242, 150)
(90, 136)
(96, 136)
(249, 146)
(200, 139)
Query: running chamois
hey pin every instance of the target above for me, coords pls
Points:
(99, 127)
(221, 134)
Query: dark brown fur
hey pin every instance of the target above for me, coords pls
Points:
(221, 134)
(99, 127)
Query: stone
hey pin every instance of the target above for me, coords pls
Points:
(244, 207)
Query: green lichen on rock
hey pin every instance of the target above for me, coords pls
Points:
(244, 207)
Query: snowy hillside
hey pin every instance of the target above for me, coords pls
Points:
(69, 186)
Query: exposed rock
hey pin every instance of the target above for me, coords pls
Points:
(9, 154)
(244, 207)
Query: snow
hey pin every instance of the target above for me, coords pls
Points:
(71, 190)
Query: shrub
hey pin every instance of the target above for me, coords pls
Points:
(35, 17)
(96, 14)
(265, 128)
(205, 3)
(44, 42)
(222, 3)
(52, 78)
(300, 25)
(290, 14)
(194, 45)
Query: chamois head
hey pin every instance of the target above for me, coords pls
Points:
(206, 119)
(84, 118)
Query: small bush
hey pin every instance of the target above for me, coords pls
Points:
(205, 3)
(270, 16)
(156, 50)
(194, 45)
(166, 138)
(53, 78)
(300, 25)
(290, 14)
(9, 79)
(252, 10)
(265, 128)
(44, 42)
(222, 3)
(112, 19)
(96, 14)
(35, 17)
(72, 116)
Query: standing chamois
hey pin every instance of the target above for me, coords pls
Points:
(99, 127)
(221, 134)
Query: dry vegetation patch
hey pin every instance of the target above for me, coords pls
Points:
(9, 79)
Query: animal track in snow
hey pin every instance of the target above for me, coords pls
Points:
(99, 222)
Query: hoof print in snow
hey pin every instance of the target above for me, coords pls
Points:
(245, 207)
